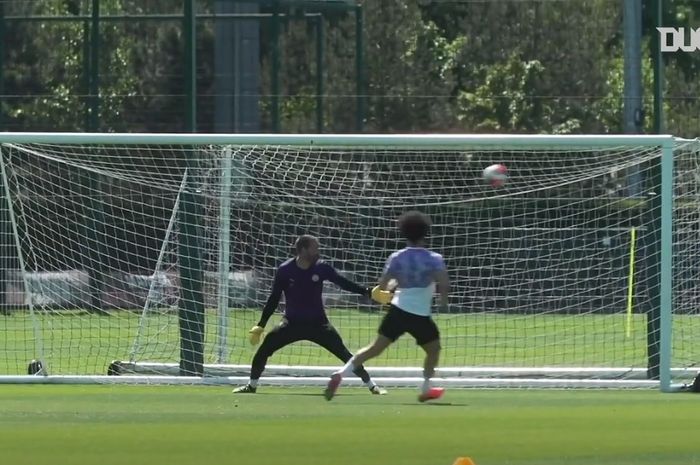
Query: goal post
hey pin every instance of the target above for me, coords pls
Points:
(550, 289)
(224, 253)
(191, 318)
(665, 310)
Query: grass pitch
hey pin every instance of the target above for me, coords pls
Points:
(108, 425)
(75, 342)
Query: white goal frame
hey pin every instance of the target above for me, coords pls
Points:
(459, 376)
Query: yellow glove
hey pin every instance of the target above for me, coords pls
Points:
(380, 296)
(255, 334)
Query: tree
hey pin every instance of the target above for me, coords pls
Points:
(504, 101)
(610, 108)
(48, 61)
(430, 66)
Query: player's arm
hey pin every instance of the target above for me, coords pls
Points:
(384, 281)
(272, 302)
(256, 332)
(381, 292)
(443, 284)
(344, 283)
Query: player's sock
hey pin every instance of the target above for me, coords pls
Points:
(370, 384)
(347, 369)
(426, 386)
(253, 383)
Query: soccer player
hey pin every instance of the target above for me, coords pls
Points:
(301, 279)
(417, 270)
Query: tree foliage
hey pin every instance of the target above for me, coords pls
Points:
(46, 69)
(505, 66)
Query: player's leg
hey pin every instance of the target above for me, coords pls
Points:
(282, 335)
(427, 335)
(362, 355)
(329, 338)
(432, 356)
(391, 328)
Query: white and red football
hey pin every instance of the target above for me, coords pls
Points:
(496, 174)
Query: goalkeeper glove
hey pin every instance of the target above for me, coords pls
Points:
(381, 296)
(255, 334)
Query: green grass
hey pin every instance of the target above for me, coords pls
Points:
(118, 425)
(82, 343)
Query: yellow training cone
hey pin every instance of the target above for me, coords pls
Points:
(464, 461)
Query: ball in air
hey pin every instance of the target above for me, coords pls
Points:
(496, 174)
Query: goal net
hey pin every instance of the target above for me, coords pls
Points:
(123, 255)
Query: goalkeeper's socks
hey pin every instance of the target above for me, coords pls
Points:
(371, 384)
(253, 383)
(426, 386)
(347, 369)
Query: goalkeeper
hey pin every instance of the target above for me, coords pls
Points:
(301, 279)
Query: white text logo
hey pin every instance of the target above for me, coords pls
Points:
(673, 39)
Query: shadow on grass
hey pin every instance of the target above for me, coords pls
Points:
(436, 404)
(277, 394)
(364, 396)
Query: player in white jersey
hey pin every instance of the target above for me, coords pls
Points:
(417, 270)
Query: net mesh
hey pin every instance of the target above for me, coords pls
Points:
(542, 268)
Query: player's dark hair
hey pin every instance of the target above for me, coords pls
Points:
(414, 225)
(304, 242)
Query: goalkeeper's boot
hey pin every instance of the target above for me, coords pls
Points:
(377, 391)
(247, 389)
(431, 394)
(332, 386)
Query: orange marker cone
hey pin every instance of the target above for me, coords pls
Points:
(464, 461)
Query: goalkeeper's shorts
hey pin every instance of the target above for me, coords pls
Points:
(396, 322)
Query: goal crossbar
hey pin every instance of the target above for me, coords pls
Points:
(350, 140)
